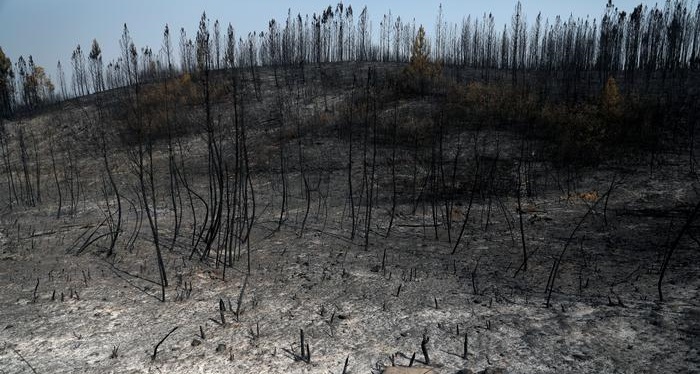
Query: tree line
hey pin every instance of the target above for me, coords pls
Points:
(647, 39)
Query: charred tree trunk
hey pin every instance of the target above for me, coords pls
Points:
(117, 228)
(55, 177)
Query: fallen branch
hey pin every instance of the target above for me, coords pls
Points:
(240, 299)
(555, 267)
(155, 350)
(674, 245)
(24, 360)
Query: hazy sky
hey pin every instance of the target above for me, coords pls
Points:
(49, 30)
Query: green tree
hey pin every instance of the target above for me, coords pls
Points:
(7, 76)
(80, 81)
(419, 53)
(95, 66)
(420, 71)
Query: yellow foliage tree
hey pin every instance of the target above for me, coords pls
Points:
(38, 88)
(420, 70)
(40, 85)
(611, 102)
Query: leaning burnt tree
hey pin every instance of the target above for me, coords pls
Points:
(142, 136)
(674, 245)
(215, 163)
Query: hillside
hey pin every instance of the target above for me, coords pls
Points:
(542, 225)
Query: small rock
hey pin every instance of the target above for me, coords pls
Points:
(465, 371)
(491, 370)
(221, 347)
(196, 342)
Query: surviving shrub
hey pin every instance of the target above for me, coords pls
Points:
(420, 73)
(490, 104)
(158, 105)
(577, 133)
(611, 101)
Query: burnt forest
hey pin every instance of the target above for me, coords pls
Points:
(346, 192)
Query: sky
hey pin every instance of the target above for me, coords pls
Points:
(49, 30)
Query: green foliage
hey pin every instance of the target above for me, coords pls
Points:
(589, 133)
(421, 73)
(157, 102)
(576, 133)
(490, 104)
(6, 87)
(584, 133)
